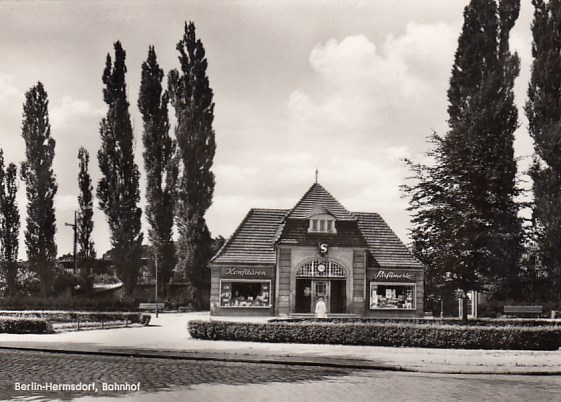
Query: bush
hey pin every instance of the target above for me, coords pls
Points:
(82, 316)
(67, 303)
(14, 325)
(485, 322)
(383, 334)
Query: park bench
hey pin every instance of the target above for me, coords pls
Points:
(523, 310)
(151, 306)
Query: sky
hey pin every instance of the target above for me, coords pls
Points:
(349, 88)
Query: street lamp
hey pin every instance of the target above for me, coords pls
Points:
(74, 227)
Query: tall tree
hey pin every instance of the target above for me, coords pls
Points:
(41, 187)
(543, 109)
(10, 225)
(160, 165)
(118, 189)
(84, 222)
(192, 98)
(464, 211)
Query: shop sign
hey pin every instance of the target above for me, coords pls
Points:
(235, 272)
(389, 275)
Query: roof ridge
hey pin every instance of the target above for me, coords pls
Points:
(339, 211)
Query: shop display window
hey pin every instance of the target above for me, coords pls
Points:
(245, 294)
(392, 296)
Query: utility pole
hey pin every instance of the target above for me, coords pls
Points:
(75, 228)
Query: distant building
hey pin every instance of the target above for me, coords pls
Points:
(280, 262)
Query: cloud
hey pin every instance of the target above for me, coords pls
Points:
(392, 93)
(73, 110)
(7, 89)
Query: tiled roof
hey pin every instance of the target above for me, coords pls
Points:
(295, 231)
(253, 241)
(318, 198)
(384, 245)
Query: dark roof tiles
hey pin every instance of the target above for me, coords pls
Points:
(319, 199)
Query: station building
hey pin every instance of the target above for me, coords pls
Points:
(280, 262)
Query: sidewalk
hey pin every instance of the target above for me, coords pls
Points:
(167, 337)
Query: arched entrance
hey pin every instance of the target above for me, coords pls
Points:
(325, 279)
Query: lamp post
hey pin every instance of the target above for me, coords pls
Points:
(156, 269)
(74, 227)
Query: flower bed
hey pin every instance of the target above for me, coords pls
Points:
(16, 325)
(383, 334)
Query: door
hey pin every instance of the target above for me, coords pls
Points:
(303, 295)
(338, 296)
(320, 289)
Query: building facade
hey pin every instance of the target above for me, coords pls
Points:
(281, 262)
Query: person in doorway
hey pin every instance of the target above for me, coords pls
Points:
(321, 309)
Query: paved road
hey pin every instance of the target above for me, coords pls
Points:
(164, 379)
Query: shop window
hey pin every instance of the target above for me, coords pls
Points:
(245, 294)
(384, 295)
(323, 223)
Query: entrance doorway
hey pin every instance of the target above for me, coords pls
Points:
(324, 279)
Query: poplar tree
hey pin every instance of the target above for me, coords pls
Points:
(160, 166)
(192, 98)
(465, 218)
(543, 109)
(84, 222)
(118, 189)
(10, 224)
(41, 187)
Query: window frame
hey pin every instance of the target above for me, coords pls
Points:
(411, 285)
(262, 281)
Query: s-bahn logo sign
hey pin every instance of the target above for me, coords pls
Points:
(382, 275)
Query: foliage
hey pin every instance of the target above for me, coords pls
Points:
(11, 325)
(22, 302)
(383, 334)
(40, 183)
(543, 109)
(192, 98)
(160, 165)
(9, 224)
(118, 189)
(67, 316)
(465, 216)
(85, 223)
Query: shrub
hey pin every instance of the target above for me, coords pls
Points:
(383, 334)
(15, 325)
(67, 303)
(82, 316)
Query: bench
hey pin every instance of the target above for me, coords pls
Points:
(523, 310)
(151, 306)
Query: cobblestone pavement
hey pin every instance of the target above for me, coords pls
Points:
(183, 380)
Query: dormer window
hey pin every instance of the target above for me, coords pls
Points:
(322, 223)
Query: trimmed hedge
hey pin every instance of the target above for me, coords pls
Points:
(484, 322)
(14, 325)
(83, 316)
(383, 334)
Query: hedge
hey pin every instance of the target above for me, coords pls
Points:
(14, 325)
(485, 322)
(67, 303)
(82, 316)
(383, 334)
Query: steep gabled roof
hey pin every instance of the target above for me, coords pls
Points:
(253, 241)
(384, 245)
(318, 198)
